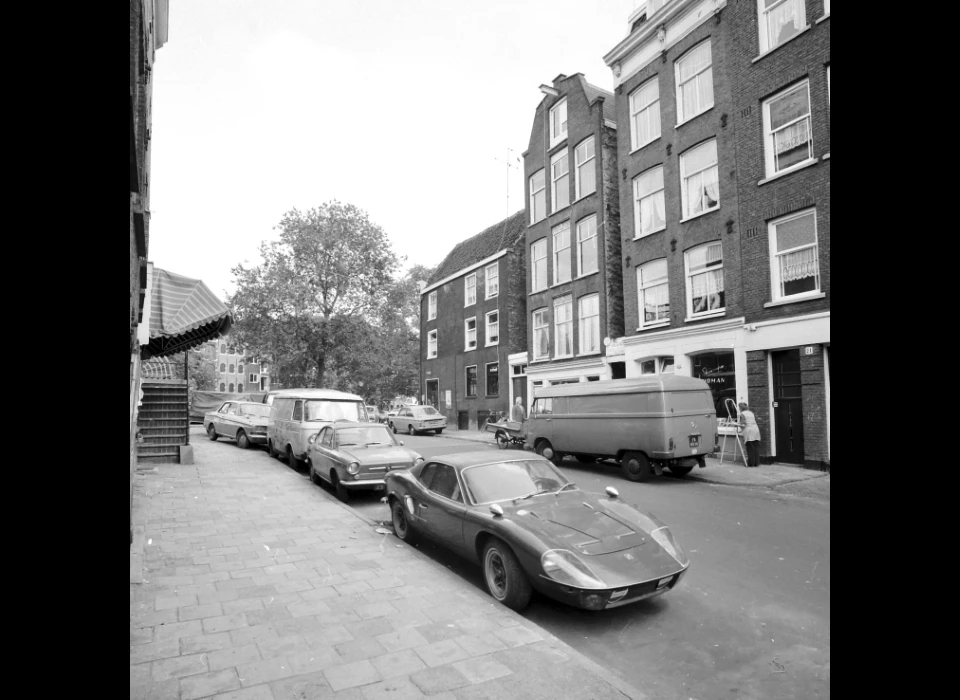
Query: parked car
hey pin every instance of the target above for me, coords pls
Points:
(415, 419)
(530, 528)
(356, 456)
(373, 414)
(243, 421)
(297, 414)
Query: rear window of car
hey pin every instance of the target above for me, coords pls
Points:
(427, 411)
(260, 411)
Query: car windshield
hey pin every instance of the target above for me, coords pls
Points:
(426, 411)
(324, 409)
(256, 411)
(504, 481)
(371, 435)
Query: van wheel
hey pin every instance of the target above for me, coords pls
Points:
(545, 449)
(293, 461)
(680, 471)
(636, 466)
(212, 432)
(273, 452)
(243, 442)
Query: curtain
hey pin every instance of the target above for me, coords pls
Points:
(782, 22)
(711, 188)
(799, 264)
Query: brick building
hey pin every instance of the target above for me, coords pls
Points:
(238, 371)
(472, 318)
(572, 237)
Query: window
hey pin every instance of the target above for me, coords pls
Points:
(493, 379)
(542, 406)
(470, 290)
(794, 263)
(223, 387)
(223, 348)
(558, 122)
(645, 114)
(587, 245)
(298, 410)
(657, 365)
(648, 206)
(589, 323)
(472, 381)
(444, 483)
(780, 20)
(240, 388)
(584, 156)
(231, 388)
(699, 183)
(694, 82)
(538, 265)
(492, 280)
(520, 369)
(326, 437)
(788, 140)
(431, 306)
(561, 253)
(560, 180)
(653, 293)
(470, 333)
(253, 378)
(704, 279)
(538, 196)
(541, 334)
(493, 328)
(223, 367)
(431, 344)
(232, 369)
(563, 326)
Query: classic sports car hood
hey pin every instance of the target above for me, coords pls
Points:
(379, 454)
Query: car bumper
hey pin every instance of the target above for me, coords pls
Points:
(258, 439)
(602, 599)
(364, 484)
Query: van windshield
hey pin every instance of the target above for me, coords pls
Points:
(327, 410)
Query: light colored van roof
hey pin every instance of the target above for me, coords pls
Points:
(315, 394)
(654, 383)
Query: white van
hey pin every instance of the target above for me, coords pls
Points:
(296, 414)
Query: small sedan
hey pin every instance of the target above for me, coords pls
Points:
(415, 419)
(243, 421)
(356, 456)
(530, 528)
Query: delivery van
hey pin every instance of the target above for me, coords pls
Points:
(296, 414)
(646, 423)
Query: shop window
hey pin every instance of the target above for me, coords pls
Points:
(472, 381)
(718, 371)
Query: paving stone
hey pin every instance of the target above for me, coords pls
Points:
(368, 628)
(206, 684)
(233, 656)
(311, 607)
(398, 663)
(372, 610)
(359, 649)
(328, 636)
(515, 636)
(152, 618)
(439, 631)
(248, 591)
(244, 605)
(473, 625)
(392, 689)
(351, 675)
(439, 653)
(309, 686)
(478, 644)
(224, 623)
(481, 668)
(217, 597)
(197, 612)
(171, 603)
(176, 630)
(142, 635)
(256, 633)
(320, 593)
(160, 649)
(178, 667)
(165, 690)
(264, 671)
(352, 587)
(439, 679)
(317, 658)
(267, 615)
(205, 642)
(408, 618)
(260, 692)
(282, 646)
(402, 639)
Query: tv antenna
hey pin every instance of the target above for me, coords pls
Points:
(509, 165)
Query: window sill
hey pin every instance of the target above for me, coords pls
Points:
(770, 51)
(649, 326)
(690, 119)
(470, 397)
(795, 299)
(557, 144)
(700, 317)
(595, 353)
(826, 16)
(469, 349)
(472, 303)
(699, 214)
(642, 146)
(582, 197)
(562, 357)
(589, 274)
(557, 211)
(539, 360)
(491, 297)
(492, 345)
(559, 284)
(662, 228)
(537, 222)
(826, 156)
(431, 357)
(538, 291)
(788, 171)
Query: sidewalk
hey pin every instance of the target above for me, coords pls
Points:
(250, 583)
(729, 473)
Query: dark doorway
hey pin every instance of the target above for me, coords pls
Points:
(433, 392)
(463, 420)
(788, 406)
(618, 370)
(482, 416)
(520, 389)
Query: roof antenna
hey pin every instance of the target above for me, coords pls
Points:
(509, 165)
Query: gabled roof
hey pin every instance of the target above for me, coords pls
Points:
(593, 92)
(481, 246)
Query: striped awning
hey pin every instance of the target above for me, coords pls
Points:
(183, 314)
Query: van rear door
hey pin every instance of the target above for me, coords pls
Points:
(692, 422)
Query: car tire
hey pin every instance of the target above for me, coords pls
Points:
(410, 430)
(293, 461)
(243, 442)
(505, 578)
(212, 432)
(438, 431)
(273, 452)
(313, 474)
(680, 471)
(343, 493)
(503, 442)
(636, 466)
(545, 449)
(393, 428)
(401, 526)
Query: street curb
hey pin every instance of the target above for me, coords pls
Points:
(753, 484)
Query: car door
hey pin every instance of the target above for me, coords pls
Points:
(320, 454)
(220, 420)
(400, 422)
(442, 514)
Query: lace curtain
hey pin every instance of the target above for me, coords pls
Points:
(799, 264)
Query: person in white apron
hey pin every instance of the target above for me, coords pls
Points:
(516, 411)
(751, 434)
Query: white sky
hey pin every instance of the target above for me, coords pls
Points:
(401, 107)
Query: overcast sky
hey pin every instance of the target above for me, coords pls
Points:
(401, 107)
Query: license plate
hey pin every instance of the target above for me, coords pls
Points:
(664, 581)
(694, 441)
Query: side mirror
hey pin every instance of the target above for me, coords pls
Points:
(612, 492)
(401, 443)
(496, 509)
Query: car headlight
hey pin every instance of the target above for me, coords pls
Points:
(418, 460)
(665, 539)
(353, 467)
(565, 567)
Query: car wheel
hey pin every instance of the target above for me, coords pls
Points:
(393, 428)
(313, 474)
(273, 452)
(293, 461)
(438, 431)
(503, 442)
(401, 525)
(636, 466)
(545, 449)
(343, 493)
(505, 578)
(410, 430)
(680, 471)
(211, 432)
(243, 442)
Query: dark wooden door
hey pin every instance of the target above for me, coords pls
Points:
(520, 389)
(788, 406)
(433, 393)
(463, 420)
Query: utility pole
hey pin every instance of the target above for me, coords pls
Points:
(509, 165)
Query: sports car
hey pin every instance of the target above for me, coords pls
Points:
(243, 421)
(530, 528)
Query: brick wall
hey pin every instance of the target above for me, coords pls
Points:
(814, 407)
(758, 398)
(610, 234)
(516, 302)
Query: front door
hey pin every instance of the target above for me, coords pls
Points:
(433, 393)
(788, 406)
(520, 389)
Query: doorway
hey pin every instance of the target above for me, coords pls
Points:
(520, 389)
(463, 420)
(433, 393)
(788, 405)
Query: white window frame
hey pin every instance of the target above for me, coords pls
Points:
(431, 306)
(586, 322)
(556, 231)
(563, 155)
(580, 166)
(685, 176)
(636, 110)
(466, 334)
(690, 274)
(763, 26)
(491, 280)
(543, 326)
(565, 301)
(558, 122)
(644, 286)
(487, 326)
(467, 301)
(466, 382)
(769, 136)
(486, 378)
(538, 282)
(589, 240)
(681, 117)
(538, 192)
(826, 8)
(252, 378)
(638, 198)
(775, 279)
(432, 341)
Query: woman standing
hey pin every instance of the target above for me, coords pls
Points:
(751, 434)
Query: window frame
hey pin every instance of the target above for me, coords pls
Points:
(542, 191)
(588, 163)
(557, 252)
(544, 313)
(466, 381)
(763, 37)
(486, 327)
(681, 117)
(688, 282)
(466, 334)
(435, 341)
(637, 218)
(534, 277)
(769, 136)
(581, 241)
(554, 160)
(775, 281)
(583, 325)
(634, 114)
(684, 176)
(555, 136)
(432, 306)
(466, 290)
(486, 378)
(495, 268)
(643, 287)
(561, 301)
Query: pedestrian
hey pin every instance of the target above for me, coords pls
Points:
(751, 434)
(516, 411)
